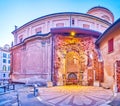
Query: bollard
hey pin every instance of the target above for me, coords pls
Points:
(35, 90)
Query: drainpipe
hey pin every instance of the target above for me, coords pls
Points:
(52, 65)
(15, 35)
(70, 20)
(115, 80)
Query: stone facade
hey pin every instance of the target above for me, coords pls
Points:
(60, 48)
(102, 13)
(66, 19)
(34, 59)
(76, 55)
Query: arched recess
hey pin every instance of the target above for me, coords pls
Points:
(72, 62)
(72, 67)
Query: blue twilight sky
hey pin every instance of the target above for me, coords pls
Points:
(19, 12)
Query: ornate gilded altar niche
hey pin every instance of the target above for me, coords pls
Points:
(75, 60)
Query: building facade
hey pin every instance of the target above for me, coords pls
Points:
(4, 62)
(109, 44)
(60, 48)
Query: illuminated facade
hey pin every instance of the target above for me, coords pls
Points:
(60, 48)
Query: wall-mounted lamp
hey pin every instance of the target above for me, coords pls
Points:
(72, 33)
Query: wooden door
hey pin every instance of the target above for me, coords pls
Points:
(118, 75)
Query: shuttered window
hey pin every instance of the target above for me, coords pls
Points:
(86, 26)
(110, 45)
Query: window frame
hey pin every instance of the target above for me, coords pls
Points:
(86, 26)
(4, 55)
(4, 68)
(4, 60)
(110, 45)
(8, 61)
(8, 68)
(9, 56)
(38, 30)
(73, 21)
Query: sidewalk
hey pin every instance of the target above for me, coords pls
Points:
(10, 97)
(22, 96)
(115, 100)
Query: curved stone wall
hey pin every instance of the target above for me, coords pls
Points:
(44, 24)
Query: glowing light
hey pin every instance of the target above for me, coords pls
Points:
(72, 33)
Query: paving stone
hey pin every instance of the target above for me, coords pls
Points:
(75, 95)
(61, 96)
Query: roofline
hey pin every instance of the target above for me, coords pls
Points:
(62, 30)
(2, 49)
(96, 7)
(29, 38)
(61, 13)
(109, 30)
(77, 30)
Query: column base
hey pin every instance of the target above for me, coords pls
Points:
(49, 84)
(96, 83)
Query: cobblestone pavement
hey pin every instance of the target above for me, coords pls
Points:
(60, 96)
(75, 95)
(27, 98)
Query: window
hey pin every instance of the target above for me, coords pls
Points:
(105, 17)
(38, 30)
(4, 75)
(9, 61)
(4, 60)
(43, 43)
(4, 55)
(110, 45)
(8, 68)
(20, 38)
(4, 67)
(73, 22)
(86, 26)
(60, 25)
(8, 55)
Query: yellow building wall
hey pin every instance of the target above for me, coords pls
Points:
(109, 59)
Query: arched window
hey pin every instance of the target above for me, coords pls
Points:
(4, 67)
